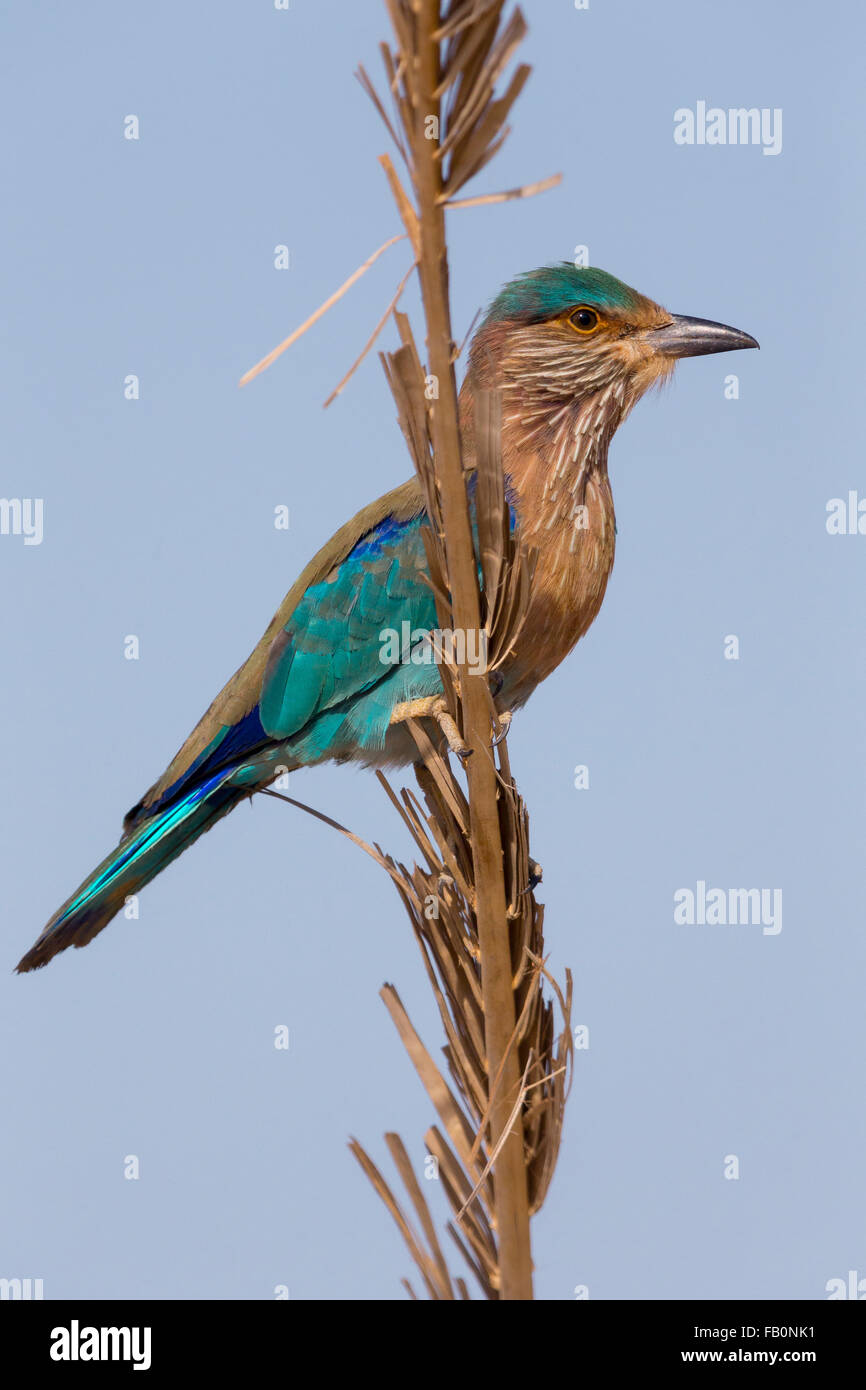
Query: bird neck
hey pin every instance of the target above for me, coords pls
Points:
(554, 456)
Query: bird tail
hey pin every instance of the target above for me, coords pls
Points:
(139, 857)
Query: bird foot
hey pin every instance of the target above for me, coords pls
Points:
(433, 707)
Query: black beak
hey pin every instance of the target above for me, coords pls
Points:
(687, 337)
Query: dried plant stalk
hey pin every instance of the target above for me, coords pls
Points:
(471, 904)
(512, 1210)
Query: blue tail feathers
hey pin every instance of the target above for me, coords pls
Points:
(139, 857)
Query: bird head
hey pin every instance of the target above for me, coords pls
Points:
(563, 335)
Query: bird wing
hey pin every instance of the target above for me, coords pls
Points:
(322, 644)
(331, 647)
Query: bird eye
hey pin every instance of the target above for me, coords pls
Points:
(584, 320)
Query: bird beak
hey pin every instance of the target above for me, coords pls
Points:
(687, 337)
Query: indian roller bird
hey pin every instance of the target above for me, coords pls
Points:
(570, 352)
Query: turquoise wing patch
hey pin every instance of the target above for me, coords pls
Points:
(332, 649)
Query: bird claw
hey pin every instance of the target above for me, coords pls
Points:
(504, 721)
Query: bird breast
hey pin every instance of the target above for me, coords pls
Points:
(567, 524)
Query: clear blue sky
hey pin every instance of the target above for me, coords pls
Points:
(155, 257)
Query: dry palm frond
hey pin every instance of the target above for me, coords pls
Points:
(527, 190)
(500, 1096)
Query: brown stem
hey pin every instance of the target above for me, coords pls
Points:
(511, 1207)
